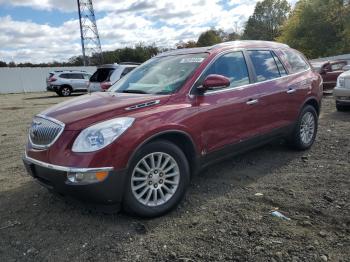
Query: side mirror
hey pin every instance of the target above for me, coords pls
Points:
(212, 82)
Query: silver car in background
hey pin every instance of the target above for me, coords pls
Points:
(106, 75)
(341, 92)
(64, 83)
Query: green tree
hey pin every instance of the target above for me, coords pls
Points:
(188, 44)
(3, 64)
(267, 19)
(318, 28)
(210, 37)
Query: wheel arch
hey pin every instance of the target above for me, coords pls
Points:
(312, 101)
(181, 139)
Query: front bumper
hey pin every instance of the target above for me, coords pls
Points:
(106, 192)
(342, 96)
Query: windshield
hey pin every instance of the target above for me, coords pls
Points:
(159, 75)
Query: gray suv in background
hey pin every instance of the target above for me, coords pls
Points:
(66, 82)
(106, 75)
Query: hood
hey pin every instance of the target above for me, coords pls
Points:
(83, 111)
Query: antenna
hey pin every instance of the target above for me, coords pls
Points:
(90, 40)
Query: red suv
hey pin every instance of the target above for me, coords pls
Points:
(139, 143)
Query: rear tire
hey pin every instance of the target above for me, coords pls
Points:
(305, 130)
(157, 186)
(65, 91)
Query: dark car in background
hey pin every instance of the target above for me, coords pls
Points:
(330, 71)
(139, 143)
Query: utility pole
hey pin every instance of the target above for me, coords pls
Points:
(90, 40)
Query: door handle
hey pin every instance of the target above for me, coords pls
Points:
(252, 101)
(291, 91)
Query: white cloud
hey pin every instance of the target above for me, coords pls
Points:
(124, 23)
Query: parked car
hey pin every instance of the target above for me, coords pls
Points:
(330, 71)
(106, 75)
(64, 83)
(341, 92)
(139, 143)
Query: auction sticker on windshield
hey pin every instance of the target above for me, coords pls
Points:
(191, 60)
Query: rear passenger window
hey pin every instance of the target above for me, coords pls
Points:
(233, 66)
(66, 76)
(76, 76)
(296, 62)
(264, 65)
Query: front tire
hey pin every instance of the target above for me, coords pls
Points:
(158, 177)
(305, 130)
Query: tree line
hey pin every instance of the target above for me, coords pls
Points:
(318, 28)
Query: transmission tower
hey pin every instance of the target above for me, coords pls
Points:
(90, 40)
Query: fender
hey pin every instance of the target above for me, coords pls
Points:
(161, 133)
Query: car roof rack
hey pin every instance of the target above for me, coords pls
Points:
(60, 71)
(129, 63)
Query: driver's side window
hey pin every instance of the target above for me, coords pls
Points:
(231, 65)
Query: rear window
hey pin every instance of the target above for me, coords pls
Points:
(296, 62)
(101, 75)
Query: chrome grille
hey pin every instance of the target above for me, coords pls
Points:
(44, 131)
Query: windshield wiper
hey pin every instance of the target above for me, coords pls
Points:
(134, 91)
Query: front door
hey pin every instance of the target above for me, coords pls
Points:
(228, 115)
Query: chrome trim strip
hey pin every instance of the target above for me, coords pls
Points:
(143, 105)
(65, 169)
(58, 135)
(243, 86)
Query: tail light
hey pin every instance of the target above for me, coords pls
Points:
(52, 79)
(105, 85)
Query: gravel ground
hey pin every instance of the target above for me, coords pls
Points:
(221, 218)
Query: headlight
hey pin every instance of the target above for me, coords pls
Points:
(101, 135)
(341, 82)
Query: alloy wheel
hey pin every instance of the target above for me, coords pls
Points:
(307, 128)
(155, 179)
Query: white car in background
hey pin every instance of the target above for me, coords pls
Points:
(106, 75)
(342, 90)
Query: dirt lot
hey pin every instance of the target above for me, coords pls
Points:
(220, 219)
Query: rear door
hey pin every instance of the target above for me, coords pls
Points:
(300, 80)
(270, 74)
(228, 115)
(77, 81)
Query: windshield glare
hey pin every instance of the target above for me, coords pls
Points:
(159, 75)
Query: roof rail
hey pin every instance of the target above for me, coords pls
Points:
(240, 42)
(129, 63)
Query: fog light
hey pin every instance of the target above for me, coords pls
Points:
(92, 177)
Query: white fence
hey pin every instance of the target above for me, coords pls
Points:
(27, 79)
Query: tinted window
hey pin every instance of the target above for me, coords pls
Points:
(127, 70)
(231, 65)
(296, 62)
(264, 65)
(280, 66)
(66, 76)
(76, 76)
(101, 75)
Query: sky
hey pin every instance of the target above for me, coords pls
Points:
(48, 30)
